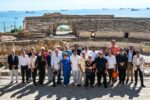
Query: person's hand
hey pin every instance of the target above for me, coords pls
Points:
(137, 66)
(106, 71)
(32, 69)
(62, 73)
(114, 69)
(96, 70)
(13, 66)
(122, 63)
(38, 70)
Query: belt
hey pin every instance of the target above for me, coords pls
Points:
(24, 65)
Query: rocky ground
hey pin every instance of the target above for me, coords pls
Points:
(47, 92)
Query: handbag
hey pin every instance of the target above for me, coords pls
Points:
(114, 74)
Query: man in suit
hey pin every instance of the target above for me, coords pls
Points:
(138, 64)
(130, 53)
(122, 65)
(13, 65)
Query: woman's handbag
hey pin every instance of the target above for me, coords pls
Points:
(114, 74)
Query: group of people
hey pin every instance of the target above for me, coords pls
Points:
(84, 65)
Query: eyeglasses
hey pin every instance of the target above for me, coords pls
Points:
(65, 55)
(100, 54)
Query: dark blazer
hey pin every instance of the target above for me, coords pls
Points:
(134, 53)
(11, 62)
(122, 58)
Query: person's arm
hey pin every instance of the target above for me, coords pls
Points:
(79, 65)
(114, 63)
(106, 68)
(62, 68)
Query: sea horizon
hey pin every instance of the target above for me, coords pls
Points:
(12, 18)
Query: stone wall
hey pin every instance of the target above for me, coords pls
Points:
(6, 47)
(84, 25)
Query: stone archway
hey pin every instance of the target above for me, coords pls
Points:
(72, 27)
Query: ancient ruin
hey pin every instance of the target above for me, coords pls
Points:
(86, 25)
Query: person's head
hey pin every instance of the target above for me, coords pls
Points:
(83, 54)
(49, 52)
(56, 52)
(66, 48)
(74, 52)
(86, 48)
(100, 54)
(90, 57)
(131, 47)
(121, 49)
(23, 52)
(109, 52)
(103, 49)
(138, 53)
(75, 46)
(58, 47)
(65, 55)
(93, 48)
(113, 43)
(33, 53)
(40, 54)
(32, 48)
(13, 51)
(42, 49)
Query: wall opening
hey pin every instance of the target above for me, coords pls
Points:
(126, 35)
(64, 30)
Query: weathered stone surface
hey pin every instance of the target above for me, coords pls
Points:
(84, 25)
(6, 47)
(7, 38)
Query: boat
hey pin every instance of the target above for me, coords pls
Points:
(63, 10)
(133, 9)
(30, 12)
(148, 8)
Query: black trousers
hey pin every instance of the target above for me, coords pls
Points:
(122, 74)
(41, 76)
(34, 75)
(136, 76)
(91, 78)
(58, 74)
(100, 74)
(24, 70)
(29, 73)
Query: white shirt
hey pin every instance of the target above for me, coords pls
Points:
(74, 60)
(23, 61)
(94, 55)
(87, 53)
(32, 61)
(138, 61)
(111, 61)
(130, 56)
(55, 61)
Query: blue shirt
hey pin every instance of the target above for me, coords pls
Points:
(66, 65)
(69, 54)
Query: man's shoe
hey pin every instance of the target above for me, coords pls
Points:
(79, 85)
(142, 85)
(135, 83)
(54, 85)
(131, 80)
(11, 82)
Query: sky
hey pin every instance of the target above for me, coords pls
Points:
(20, 5)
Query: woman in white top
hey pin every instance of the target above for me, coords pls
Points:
(111, 61)
(32, 61)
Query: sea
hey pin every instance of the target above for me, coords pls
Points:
(11, 19)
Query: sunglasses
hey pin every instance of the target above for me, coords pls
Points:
(65, 55)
